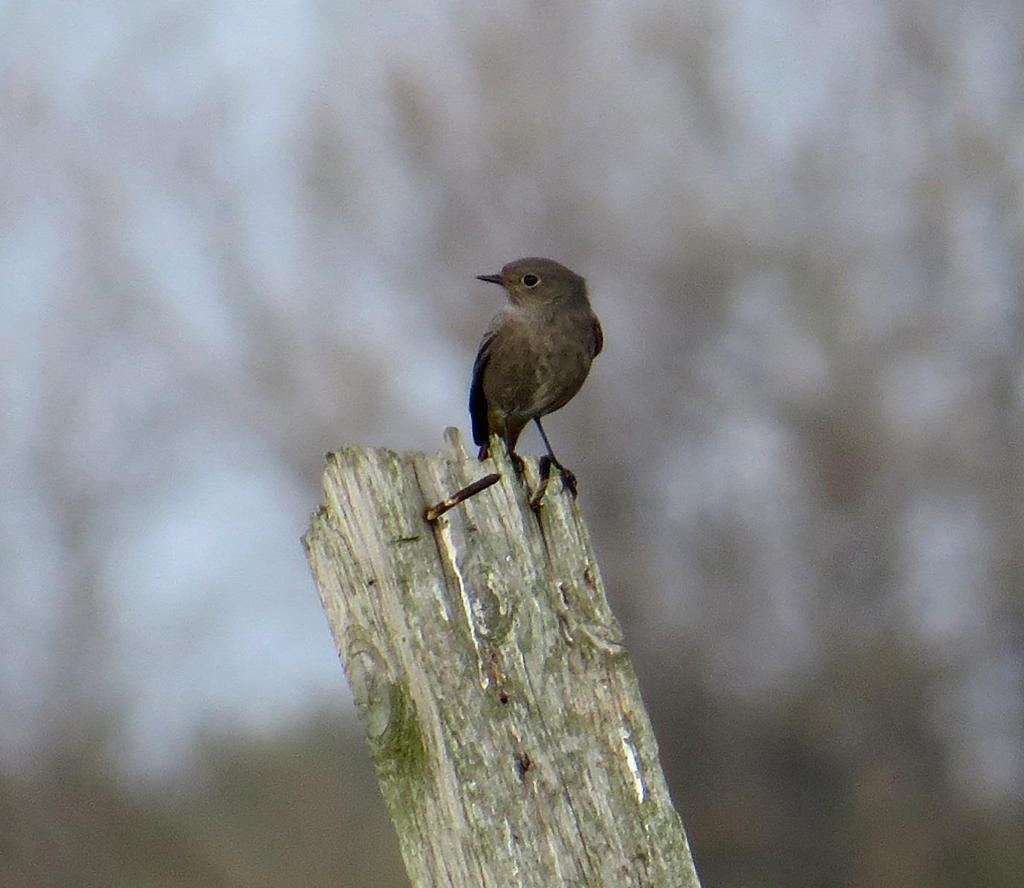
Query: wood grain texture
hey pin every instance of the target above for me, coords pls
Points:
(501, 709)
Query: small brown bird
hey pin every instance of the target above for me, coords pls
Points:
(534, 357)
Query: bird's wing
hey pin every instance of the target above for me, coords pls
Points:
(598, 337)
(477, 400)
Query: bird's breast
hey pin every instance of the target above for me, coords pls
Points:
(537, 362)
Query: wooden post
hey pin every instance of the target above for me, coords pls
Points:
(501, 707)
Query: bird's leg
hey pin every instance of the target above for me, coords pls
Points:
(517, 460)
(568, 478)
(537, 500)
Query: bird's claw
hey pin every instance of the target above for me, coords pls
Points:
(568, 480)
(517, 461)
(519, 465)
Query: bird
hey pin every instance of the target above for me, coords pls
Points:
(534, 357)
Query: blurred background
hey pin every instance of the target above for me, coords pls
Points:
(237, 235)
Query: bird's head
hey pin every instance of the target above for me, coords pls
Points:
(535, 281)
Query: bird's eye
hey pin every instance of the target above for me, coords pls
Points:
(530, 281)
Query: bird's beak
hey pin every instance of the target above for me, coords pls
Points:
(490, 278)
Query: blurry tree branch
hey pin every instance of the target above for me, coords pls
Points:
(501, 707)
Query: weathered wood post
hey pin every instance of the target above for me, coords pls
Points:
(502, 711)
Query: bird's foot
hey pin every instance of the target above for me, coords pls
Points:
(518, 464)
(516, 459)
(568, 480)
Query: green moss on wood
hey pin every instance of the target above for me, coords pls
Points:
(399, 753)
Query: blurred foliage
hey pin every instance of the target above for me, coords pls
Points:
(838, 779)
(300, 808)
